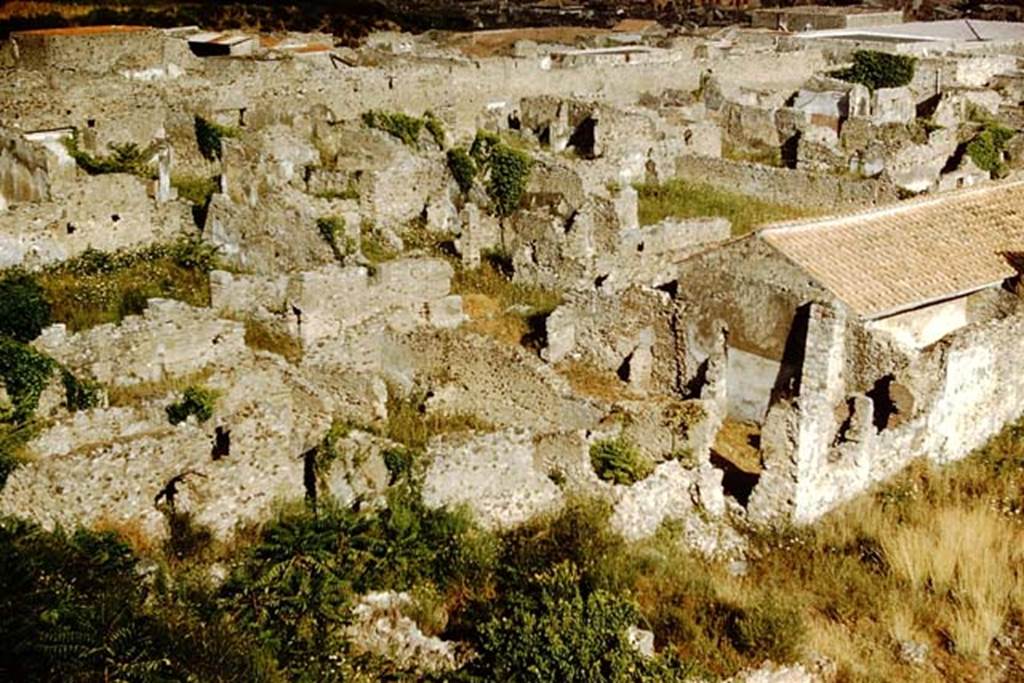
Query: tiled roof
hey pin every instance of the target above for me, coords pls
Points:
(906, 255)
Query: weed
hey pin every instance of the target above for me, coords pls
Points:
(619, 461)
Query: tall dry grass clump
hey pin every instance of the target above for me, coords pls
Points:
(969, 557)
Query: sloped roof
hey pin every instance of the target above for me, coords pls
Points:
(900, 257)
(958, 30)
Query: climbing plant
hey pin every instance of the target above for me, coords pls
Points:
(878, 69)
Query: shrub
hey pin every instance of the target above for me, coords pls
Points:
(767, 631)
(462, 168)
(25, 373)
(24, 310)
(80, 394)
(195, 400)
(552, 630)
(396, 124)
(507, 169)
(619, 461)
(878, 69)
(210, 137)
(124, 158)
(987, 148)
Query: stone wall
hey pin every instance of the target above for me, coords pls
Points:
(89, 49)
(948, 401)
(785, 186)
(23, 171)
(104, 212)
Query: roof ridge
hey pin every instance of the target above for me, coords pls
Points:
(894, 208)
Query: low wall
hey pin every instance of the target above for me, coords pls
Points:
(786, 186)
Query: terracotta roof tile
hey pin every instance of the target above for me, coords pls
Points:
(899, 257)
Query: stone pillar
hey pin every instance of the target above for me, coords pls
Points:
(469, 246)
(627, 206)
(797, 435)
(164, 160)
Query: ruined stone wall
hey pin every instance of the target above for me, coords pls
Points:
(828, 445)
(786, 186)
(23, 171)
(86, 50)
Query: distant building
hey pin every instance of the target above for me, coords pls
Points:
(814, 18)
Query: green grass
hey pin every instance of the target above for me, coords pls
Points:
(683, 199)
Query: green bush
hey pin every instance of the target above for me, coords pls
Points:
(767, 631)
(25, 373)
(462, 168)
(987, 148)
(123, 158)
(507, 170)
(195, 400)
(552, 630)
(619, 461)
(194, 189)
(80, 394)
(210, 137)
(24, 310)
(878, 69)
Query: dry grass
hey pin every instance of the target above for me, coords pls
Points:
(509, 311)
(587, 380)
(410, 424)
(682, 199)
(264, 337)
(131, 532)
(739, 443)
(136, 394)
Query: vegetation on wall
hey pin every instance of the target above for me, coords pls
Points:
(462, 168)
(878, 69)
(682, 199)
(406, 128)
(196, 401)
(619, 461)
(507, 170)
(987, 149)
(210, 137)
(123, 158)
(332, 230)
